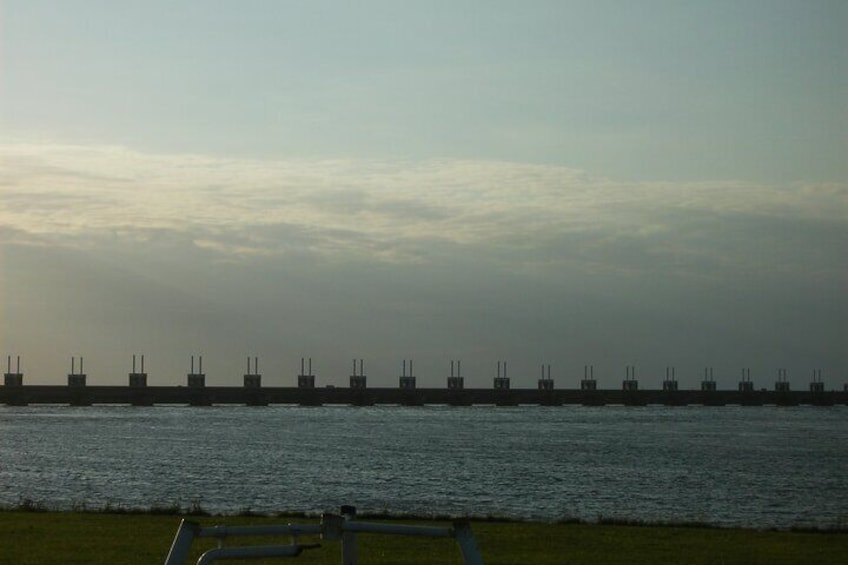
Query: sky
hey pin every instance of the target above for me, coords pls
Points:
(654, 184)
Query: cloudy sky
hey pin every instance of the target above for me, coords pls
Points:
(550, 182)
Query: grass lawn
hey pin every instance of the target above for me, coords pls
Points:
(100, 538)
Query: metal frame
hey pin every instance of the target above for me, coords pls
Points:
(333, 527)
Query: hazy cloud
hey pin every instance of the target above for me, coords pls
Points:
(404, 211)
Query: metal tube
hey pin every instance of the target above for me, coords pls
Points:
(397, 529)
(181, 546)
(467, 544)
(350, 544)
(260, 530)
(250, 552)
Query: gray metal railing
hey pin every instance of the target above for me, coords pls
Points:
(333, 527)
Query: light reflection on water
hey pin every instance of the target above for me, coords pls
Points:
(754, 466)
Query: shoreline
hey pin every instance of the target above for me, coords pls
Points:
(195, 510)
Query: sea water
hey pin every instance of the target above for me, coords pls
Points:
(747, 466)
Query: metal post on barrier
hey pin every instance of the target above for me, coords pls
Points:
(350, 545)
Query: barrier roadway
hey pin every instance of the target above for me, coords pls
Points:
(222, 395)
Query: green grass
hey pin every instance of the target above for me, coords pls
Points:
(28, 537)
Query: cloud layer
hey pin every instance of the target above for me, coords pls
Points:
(412, 211)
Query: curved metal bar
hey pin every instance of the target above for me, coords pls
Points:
(252, 552)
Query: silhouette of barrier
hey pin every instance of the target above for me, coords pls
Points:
(209, 395)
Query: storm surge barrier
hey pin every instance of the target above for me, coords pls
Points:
(341, 527)
(79, 392)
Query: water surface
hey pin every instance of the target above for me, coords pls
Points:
(752, 466)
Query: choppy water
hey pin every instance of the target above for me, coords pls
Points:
(754, 466)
